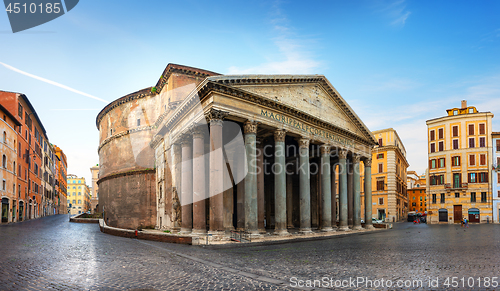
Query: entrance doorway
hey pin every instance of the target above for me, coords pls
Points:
(474, 215)
(457, 213)
(381, 214)
(5, 209)
(21, 210)
(443, 215)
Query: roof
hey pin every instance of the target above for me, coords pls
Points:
(7, 112)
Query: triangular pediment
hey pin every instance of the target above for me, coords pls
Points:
(310, 94)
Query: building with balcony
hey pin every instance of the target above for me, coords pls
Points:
(460, 162)
(495, 176)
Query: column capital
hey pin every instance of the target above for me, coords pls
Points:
(367, 163)
(356, 158)
(185, 139)
(196, 131)
(279, 135)
(343, 154)
(303, 142)
(215, 116)
(250, 127)
(325, 149)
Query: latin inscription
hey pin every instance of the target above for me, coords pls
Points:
(306, 128)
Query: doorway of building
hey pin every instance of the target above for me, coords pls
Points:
(443, 215)
(381, 214)
(457, 213)
(474, 215)
(5, 209)
(21, 210)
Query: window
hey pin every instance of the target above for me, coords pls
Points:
(433, 198)
(481, 128)
(455, 112)
(380, 142)
(433, 147)
(4, 137)
(414, 204)
(138, 122)
(471, 129)
(4, 161)
(74, 201)
(483, 197)
(472, 196)
(74, 187)
(442, 163)
(457, 180)
(442, 198)
(79, 201)
(472, 177)
(455, 144)
(498, 194)
(498, 145)
(380, 156)
(380, 185)
(79, 193)
(472, 160)
(380, 168)
(472, 143)
(455, 161)
(457, 195)
(432, 134)
(482, 159)
(74, 193)
(440, 133)
(441, 146)
(20, 110)
(420, 198)
(471, 110)
(432, 164)
(483, 177)
(4, 185)
(482, 142)
(381, 201)
(455, 130)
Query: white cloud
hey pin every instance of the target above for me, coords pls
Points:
(396, 11)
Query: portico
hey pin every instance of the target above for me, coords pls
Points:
(263, 153)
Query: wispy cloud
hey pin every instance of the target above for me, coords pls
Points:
(293, 55)
(52, 83)
(396, 11)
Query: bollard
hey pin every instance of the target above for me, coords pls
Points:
(136, 233)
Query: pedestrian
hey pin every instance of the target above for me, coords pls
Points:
(463, 220)
(466, 223)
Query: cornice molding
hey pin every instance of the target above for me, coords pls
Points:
(126, 173)
(123, 133)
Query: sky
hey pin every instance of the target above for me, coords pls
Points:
(397, 63)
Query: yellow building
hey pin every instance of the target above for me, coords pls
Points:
(78, 195)
(94, 196)
(389, 164)
(460, 161)
(416, 186)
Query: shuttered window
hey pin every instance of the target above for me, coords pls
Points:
(472, 160)
(441, 133)
(471, 129)
(481, 128)
(433, 135)
(455, 131)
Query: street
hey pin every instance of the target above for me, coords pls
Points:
(53, 254)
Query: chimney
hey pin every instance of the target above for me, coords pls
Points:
(464, 104)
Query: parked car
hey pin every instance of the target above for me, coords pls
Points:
(374, 220)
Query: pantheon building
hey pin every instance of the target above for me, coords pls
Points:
(203, 153)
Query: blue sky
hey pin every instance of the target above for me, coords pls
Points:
(397, 63)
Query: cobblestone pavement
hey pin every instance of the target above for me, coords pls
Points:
(53, 254)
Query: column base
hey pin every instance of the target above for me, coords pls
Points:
(199, 231)
(357, 227)
(253, 233)
(344, 228)
(305, 230)
(185, 231)
(281, 232)
(262, 231)
(369, 226)
(327, 229)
